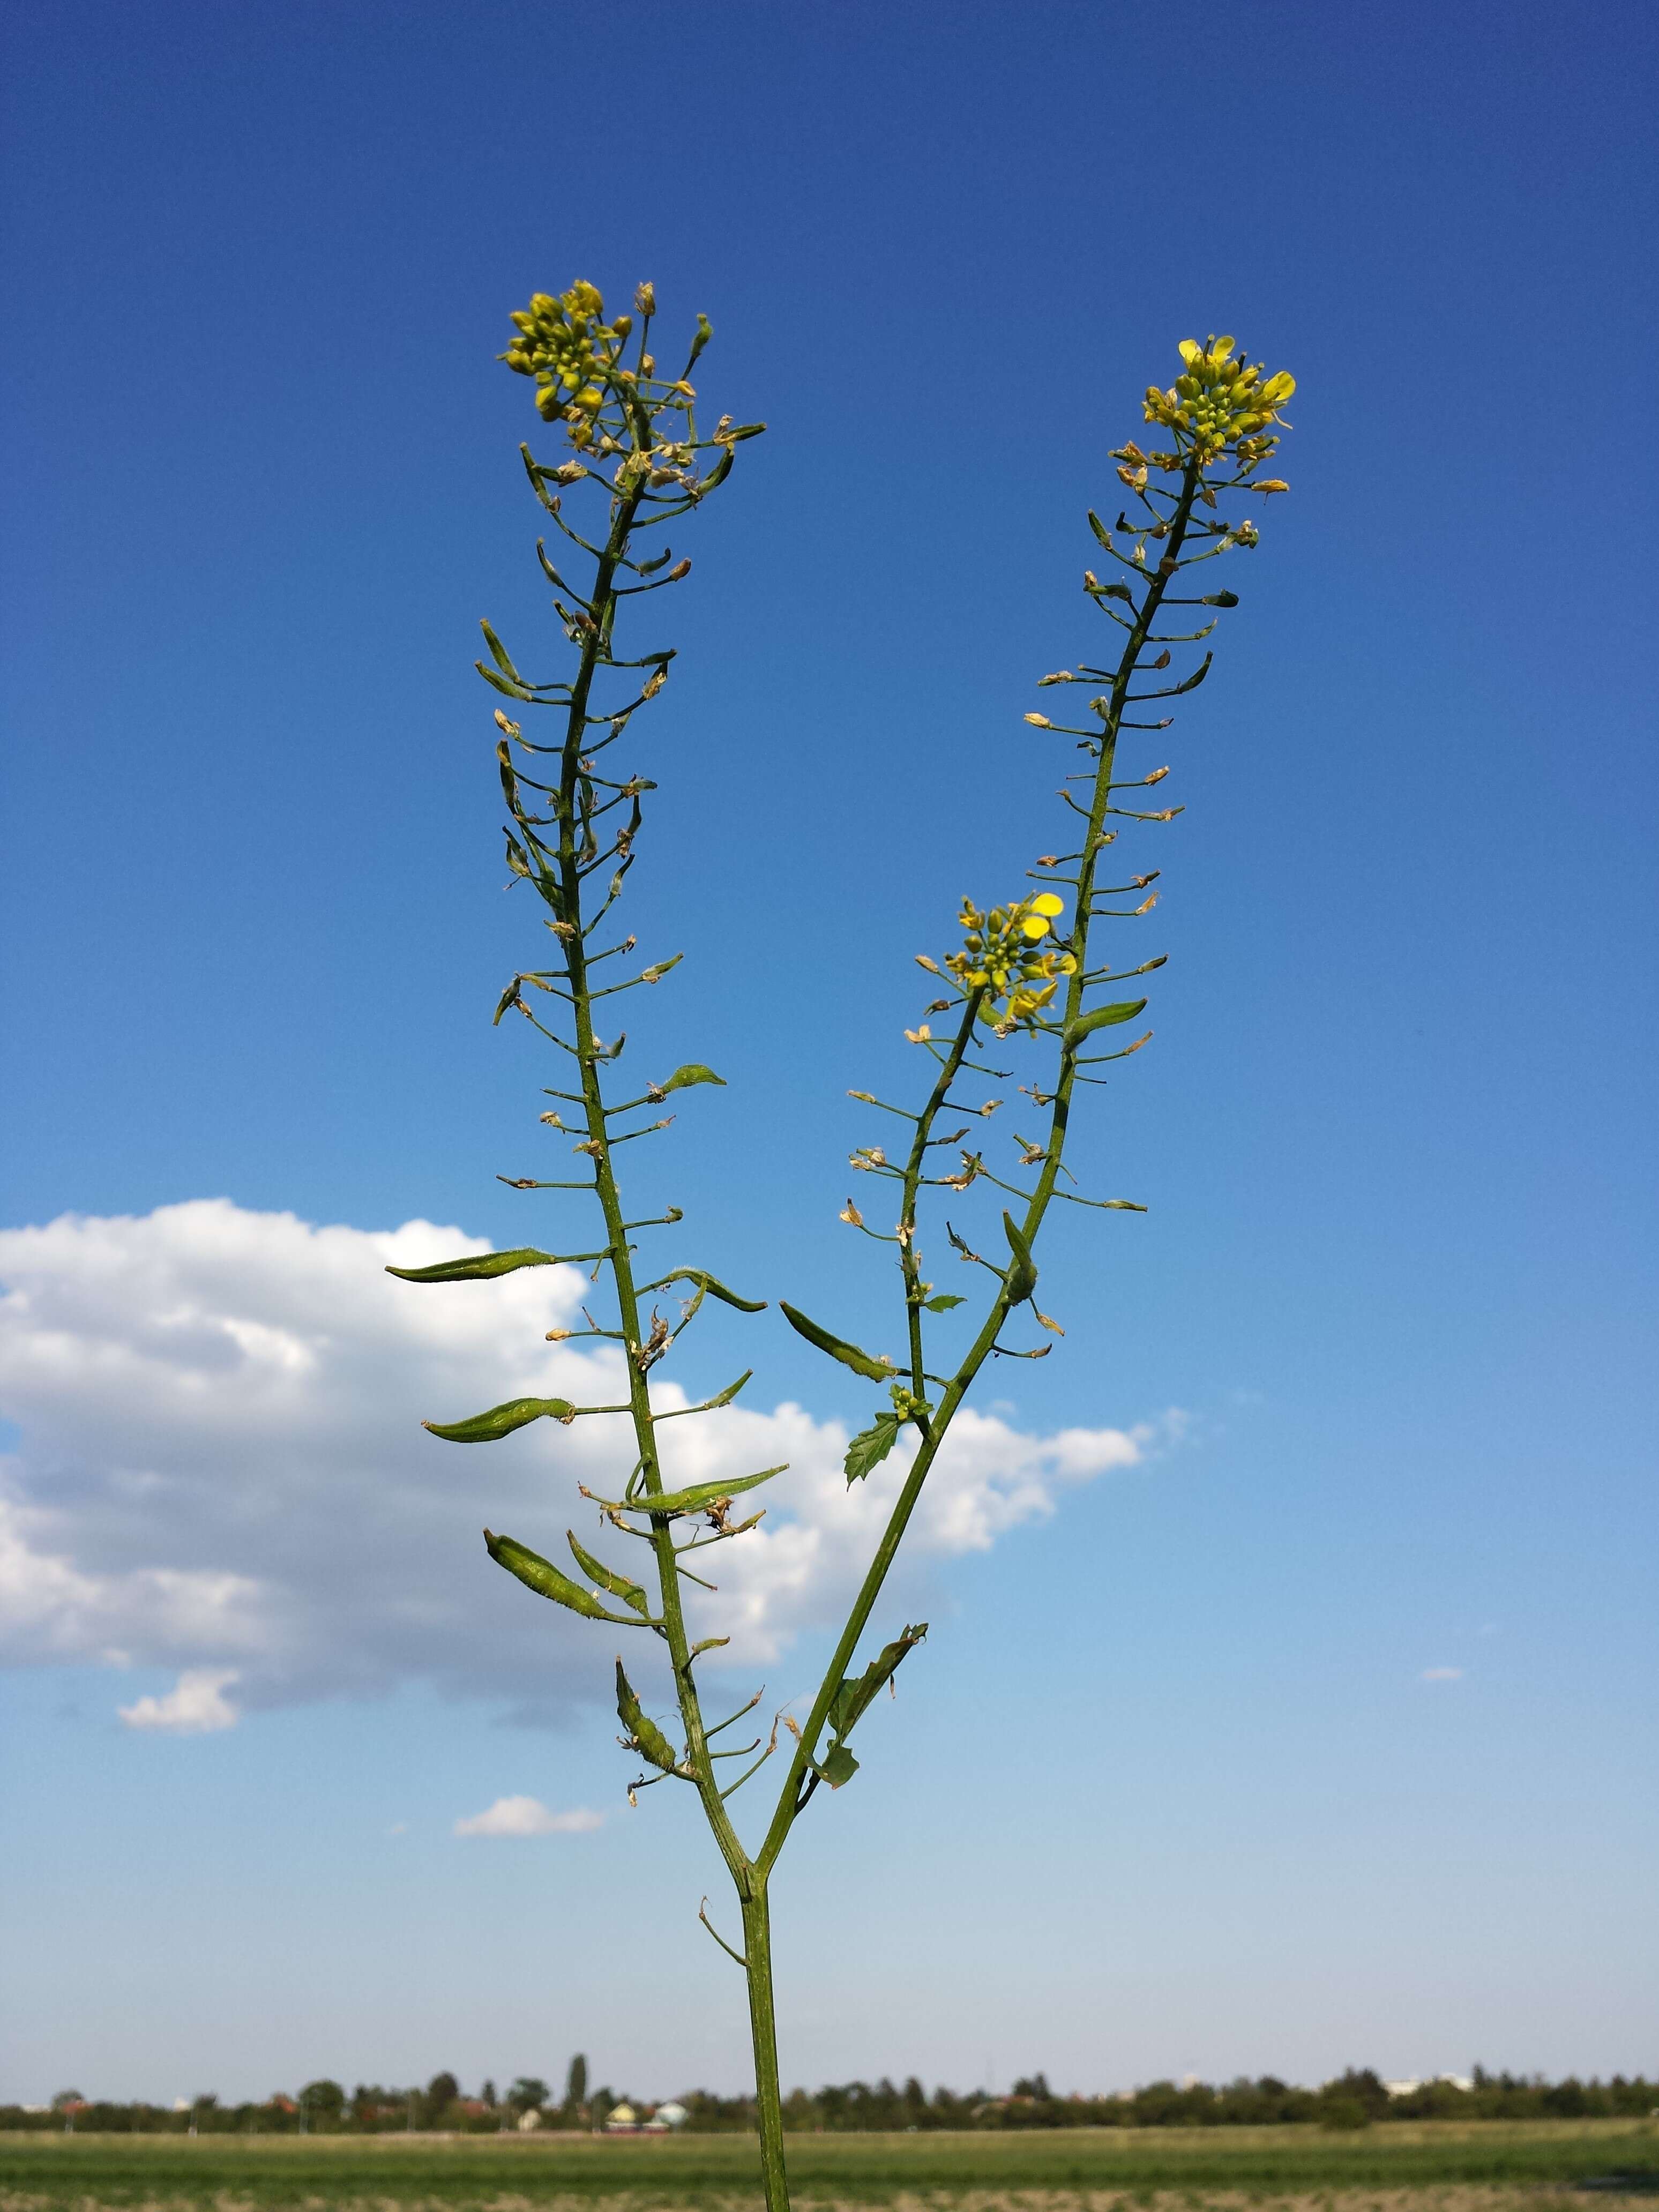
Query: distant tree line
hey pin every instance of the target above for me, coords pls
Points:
(1354, 2098)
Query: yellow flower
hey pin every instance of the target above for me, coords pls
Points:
(1220, 402)
(999, 957)
(567, 347)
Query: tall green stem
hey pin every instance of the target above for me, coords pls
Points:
(769, 2096)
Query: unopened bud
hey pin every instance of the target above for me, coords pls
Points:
(1039, 721)
(645, 300)
(680, 568)
(1158, 775)
(922, 961)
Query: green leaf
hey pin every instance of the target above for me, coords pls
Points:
(607, 1577)
(871, 1446)
(644, 1734)
(877, 1371)
(838, 1766)
(725, 1397)
(692, 1500)
(858, 1692)
(511, 690)
(479, 1268)
(705, 1281)
(693, 1072)
(498, 654)
(544, 1577)
(1103, 1018)
(943, 1302)
(500, 1420)
(1021, 1279)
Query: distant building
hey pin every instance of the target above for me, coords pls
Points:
(1410, 2088)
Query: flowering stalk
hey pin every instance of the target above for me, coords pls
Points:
(1021, 975)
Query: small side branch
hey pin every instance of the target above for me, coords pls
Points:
(702, 1915)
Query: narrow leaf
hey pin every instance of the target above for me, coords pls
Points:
(871, 1446)
(877, 1371)
(544, 1577)
(1103, 1018)
(693, 1072)
(500, 1420)
(477, 1269)
(607, 1577)
(643, 1733)
(725, 1397)
(944, 1303)
(858, 1692)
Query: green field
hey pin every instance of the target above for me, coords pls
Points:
(1466, 2167)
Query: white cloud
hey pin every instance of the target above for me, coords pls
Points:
(221, 1470)
(196, 1705)
(1441, 1674)
(528, 1816)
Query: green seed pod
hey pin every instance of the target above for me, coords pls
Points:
(607, 1577)
(544, 1577)
(1021, 1276)
(642, 1733)
(500, 1420)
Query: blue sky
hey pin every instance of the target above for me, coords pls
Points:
(1315, 1724)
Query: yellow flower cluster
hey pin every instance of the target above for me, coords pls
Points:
(1004, 954)
(1219, 400)
(559, 344)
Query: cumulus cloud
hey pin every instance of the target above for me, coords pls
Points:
(194, 1706)
(528, 1816)
(221, 1470)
